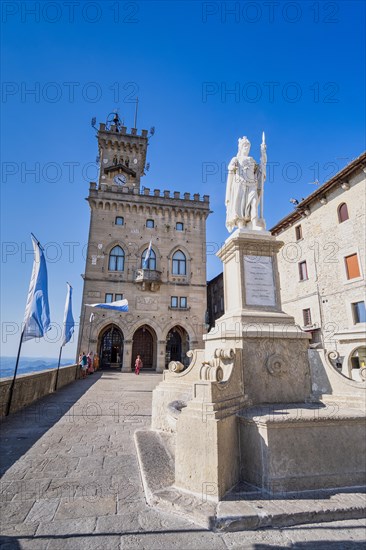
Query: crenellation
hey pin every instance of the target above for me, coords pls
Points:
(146, 192)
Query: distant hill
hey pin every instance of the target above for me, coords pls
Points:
(30, 364)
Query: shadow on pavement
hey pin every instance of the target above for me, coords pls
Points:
(21, 430)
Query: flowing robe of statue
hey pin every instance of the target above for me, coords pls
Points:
(244, 188)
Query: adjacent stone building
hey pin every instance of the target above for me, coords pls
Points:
(215, 299)
(167, 297)
(322, 266)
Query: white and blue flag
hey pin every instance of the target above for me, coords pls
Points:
(68, 326)
(37, 311)
(119, 305)
(145, 262)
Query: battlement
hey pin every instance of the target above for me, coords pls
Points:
(122, 131)
(146, 192)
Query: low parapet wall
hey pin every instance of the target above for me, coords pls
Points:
(30, 387)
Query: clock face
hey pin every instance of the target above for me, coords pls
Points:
(135, 161)
(120, 179)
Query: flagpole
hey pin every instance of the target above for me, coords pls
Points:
(58, 368)
(37, 241)
(261, 206)
(8, 405)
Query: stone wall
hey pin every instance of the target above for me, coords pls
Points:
(31, 387)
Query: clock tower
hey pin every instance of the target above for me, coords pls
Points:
(122, 155)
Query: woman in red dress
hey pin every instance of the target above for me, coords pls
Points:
(138, 365)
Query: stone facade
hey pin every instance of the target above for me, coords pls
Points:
(322, 266)
(167, 298)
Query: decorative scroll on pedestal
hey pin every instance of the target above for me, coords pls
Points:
(213, 369)
(276, 365)
(175, 366)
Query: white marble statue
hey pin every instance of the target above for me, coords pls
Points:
(244, 188)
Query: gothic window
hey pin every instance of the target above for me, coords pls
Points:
(342, 212)
(151, 262)
(116, 259)
(179, 262)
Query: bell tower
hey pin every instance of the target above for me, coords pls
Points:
(122, 155)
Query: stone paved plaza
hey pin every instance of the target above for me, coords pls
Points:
(71, 480)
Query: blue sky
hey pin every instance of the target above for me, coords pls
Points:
(204, 76)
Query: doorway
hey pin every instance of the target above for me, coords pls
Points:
(111, 348)
(144, 344)
(177, 345)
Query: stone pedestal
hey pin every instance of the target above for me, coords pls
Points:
(275, 363)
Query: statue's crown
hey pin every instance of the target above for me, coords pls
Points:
(243, 140)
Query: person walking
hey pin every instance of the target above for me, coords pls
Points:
(90, 362)
(138, 365)
(84, 365)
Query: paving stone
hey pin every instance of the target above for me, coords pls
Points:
(14, 511)
(83, 507)
(19, 529)
(124, 523)
(67, 527)
(42, 510)
(92, 542)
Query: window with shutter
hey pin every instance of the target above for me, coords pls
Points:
(352, 267)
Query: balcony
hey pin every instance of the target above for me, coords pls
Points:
(150, 279)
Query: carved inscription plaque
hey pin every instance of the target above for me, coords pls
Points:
(259, 281)
(146, 303)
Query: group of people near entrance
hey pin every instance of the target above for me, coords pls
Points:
(88, 364)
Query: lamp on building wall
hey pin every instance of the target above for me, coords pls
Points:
(345, 185)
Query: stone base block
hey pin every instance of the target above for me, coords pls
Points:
(302, 447)
(245, 508)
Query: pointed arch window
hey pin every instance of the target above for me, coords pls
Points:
(342, 212)
(116, 259)
(179, 263)
(151, 262)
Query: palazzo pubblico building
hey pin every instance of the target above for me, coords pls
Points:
(167, 297)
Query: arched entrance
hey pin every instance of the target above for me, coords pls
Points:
(177, 345)
(111, 347)
(144, 344)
